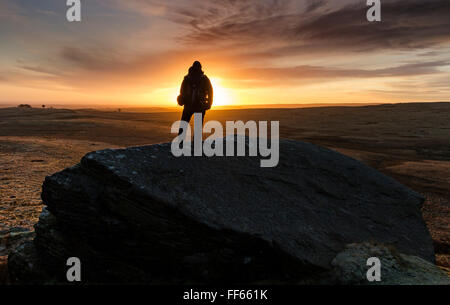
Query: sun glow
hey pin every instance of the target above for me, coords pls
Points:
(222, 95)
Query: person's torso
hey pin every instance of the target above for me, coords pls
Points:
(196, 91)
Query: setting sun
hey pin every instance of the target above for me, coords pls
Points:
(222, 95)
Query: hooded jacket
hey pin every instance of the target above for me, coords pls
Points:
(196, 91)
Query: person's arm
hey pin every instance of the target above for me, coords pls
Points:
(182, 92)
(210, 93)
(183, 87)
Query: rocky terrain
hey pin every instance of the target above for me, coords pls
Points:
(409, 142)
(141, 215)
(350, 267)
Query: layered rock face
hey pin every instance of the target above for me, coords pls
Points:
(141, 215)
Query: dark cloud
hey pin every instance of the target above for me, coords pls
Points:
(311, 74)
(104, 60)
(93, 59)
(405, 25)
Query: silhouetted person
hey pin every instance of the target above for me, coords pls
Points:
(196, 93)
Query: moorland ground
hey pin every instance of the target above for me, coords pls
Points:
(409, 142)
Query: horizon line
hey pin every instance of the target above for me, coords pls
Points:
(84, 106)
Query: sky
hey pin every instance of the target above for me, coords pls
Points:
(136, 52)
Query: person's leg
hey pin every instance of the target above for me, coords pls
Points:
(203, 116)
(185, 116)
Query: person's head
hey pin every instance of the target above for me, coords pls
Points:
(196, 69)
(197, 65)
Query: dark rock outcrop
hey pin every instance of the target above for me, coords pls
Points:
(349, 267)
(10, 240)
(141, 215)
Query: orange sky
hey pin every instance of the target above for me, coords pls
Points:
(135, 53)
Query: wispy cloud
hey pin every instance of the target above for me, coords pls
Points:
(306, 74)
(142, 45)
(412, 25)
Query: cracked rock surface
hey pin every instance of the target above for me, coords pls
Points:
(142, 215)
